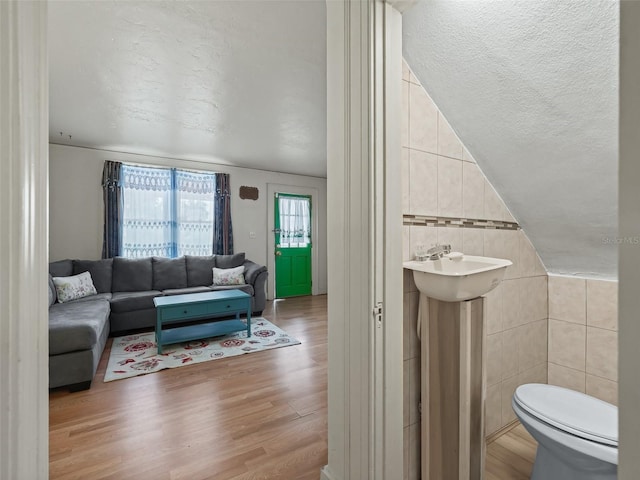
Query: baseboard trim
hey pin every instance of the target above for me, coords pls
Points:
(497, 434)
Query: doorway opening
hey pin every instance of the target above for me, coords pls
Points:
(292, 239)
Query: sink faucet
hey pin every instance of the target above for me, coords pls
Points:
(436, 252)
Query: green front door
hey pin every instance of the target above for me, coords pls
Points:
(293, 245)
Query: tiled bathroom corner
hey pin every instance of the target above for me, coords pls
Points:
(583, 335)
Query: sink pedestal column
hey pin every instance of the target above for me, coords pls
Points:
(452, 391)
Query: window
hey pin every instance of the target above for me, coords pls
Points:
(294, 221)
(167, 212)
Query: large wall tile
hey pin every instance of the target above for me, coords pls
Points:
(449, 187)
(448, 143)
(493, 311)
(567, 344)
(473, 241)
(533, 299)
(510, 352)
(450, 236)
(466, 156)
(537, 374)
(408, 322)
(568, 299)
(406, 448)
(494, 359)
(405, 115)
(511, 316)
(511, 252)
(414, 391)
(602, 353)
(602, 304)
(405, 173)
(494, 243)
(423, 183)
(493, 206)
(603, 389)
(508, 389)
(407, 253)
(493, 409)
(472, 191)
(414, 451)
(530, 264)
(566, 377)
(423, 120)
(406, 72)
(419, 235)
(533, 345)
(406, 393)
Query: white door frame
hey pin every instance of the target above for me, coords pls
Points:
(24, 241)
(272, 189)
(364, 72)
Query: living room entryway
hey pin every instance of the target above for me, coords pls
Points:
(293, 245)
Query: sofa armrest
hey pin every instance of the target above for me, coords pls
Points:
(260, 291)
(251, 271)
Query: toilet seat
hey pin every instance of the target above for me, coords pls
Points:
(573, 412)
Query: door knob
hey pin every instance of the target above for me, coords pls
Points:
(278, 253)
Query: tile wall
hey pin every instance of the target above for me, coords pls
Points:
(442, 185)
(583, 335)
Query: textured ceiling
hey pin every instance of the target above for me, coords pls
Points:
(240, 82)
(531, 89)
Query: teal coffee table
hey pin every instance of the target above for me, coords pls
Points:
(178, 309)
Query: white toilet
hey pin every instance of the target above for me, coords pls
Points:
(577, 434)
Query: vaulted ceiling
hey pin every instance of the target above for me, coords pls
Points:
(529, 86)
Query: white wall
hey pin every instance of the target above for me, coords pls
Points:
(76, 217)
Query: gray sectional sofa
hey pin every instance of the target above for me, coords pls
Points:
(78, 330)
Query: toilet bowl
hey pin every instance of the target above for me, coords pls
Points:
(577, 434)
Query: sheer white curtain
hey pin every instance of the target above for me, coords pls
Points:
(295, 221)
(148, 218)
(167, 212)
(195, 205)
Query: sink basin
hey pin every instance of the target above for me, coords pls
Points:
(458, 279)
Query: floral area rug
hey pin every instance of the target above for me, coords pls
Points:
(134, 355)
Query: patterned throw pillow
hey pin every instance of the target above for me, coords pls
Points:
(228, 276)
(72, 288)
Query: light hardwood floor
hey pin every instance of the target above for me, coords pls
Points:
(510, 456)
(257, 416)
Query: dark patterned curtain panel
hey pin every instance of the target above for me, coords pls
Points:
(113, 208)
(222, 231)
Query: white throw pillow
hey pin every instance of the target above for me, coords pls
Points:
(72, 288)
(228, 276)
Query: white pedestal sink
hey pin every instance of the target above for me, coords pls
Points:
(452, 339)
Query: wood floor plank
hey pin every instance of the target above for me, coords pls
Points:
(261, 415)
(257, 416)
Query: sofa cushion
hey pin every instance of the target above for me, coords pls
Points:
(245, 288)
(73, 287)
(199, 270)
(61, 268)
(130, 301)
(53, 296)
(229, 261)
(100, 296)
(185, 291)
(228, 276)
(132, 274)
(100, 271)
(169, 273)
(76, 326)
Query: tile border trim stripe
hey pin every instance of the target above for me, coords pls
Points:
(433, 221)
